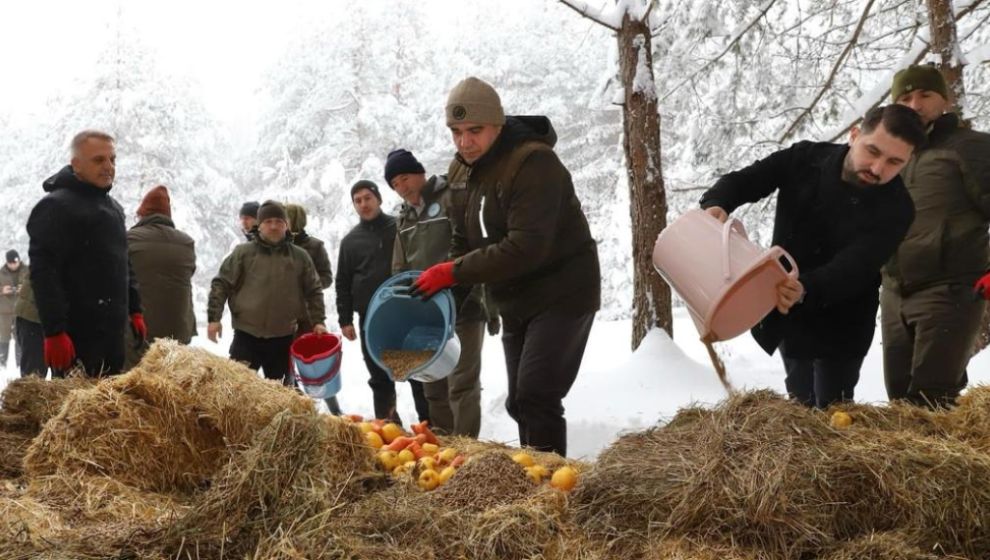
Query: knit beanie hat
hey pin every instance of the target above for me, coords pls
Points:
(474, 101)
(401, 161)
(271, 209)
(12, 256)
(366, 184)
(918, 77)
(249, 209)
(156, 201)
(297, 217)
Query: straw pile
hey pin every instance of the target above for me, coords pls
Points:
(770, 475)
(166, 426)
(190, 456)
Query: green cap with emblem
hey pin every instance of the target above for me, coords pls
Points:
(918, 77)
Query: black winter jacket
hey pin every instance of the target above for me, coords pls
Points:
(839, 234)
(363, 263)
(80, 270)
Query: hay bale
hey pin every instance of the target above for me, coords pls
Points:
(685, 549)
(35, 400)
(485, 481)
(299, 468)
(773, 476)
(970, 420)
(166, 426)
(880, 546)
(528, 528)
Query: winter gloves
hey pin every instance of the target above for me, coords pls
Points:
(59, 351)
(982, 287)
(434, 279)
(137, 324)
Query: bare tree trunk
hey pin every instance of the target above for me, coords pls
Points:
(648, 200)
(945, 43)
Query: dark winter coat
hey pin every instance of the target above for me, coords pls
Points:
(949, 181)
(317, 251)
(839, 235)
(364, 262)
(82, 279)
(164, 261)
(268, 288)
(423, 239)
(524, 233)
(14, 279)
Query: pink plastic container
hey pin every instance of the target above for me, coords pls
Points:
(727, 282)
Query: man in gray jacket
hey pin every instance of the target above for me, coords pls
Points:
(422, 240)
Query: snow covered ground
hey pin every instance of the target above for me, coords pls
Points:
(617, 390)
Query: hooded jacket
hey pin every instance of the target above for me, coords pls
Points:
(80, 271)
(524, 233)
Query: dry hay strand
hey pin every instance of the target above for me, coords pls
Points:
(528, 528)
(13, 446)
(970, 419)
(880, 546)
(167, 426)
(686, 549)
(895, 417)
(298, 468)
(27, 526)
(773, 476)
(35, 400)
(485, 481)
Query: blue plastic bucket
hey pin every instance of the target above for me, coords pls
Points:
(316, 360)
(398, 321)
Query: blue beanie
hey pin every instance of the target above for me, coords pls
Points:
(401, 161)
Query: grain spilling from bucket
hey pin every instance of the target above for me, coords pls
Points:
(718, 364)
(401, 362)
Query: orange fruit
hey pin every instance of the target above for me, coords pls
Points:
(374, 440)
(535, 473)
(429, 479)
(389, 460)
(447, 455)
(406, 455)
(428, 463)
(430, 448)
(840, 420)
(564, 478)
(446, 473)
(366, 427)
(523, 459)
(391, 431)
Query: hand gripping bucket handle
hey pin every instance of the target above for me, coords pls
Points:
(774, 252)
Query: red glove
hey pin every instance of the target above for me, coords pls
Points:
(434, 279)
(137, 323)
(59, 351)
(982, 287)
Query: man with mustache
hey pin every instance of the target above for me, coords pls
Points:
(841, 212)
(930, 317)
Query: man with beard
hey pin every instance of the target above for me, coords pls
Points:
(80, 271)
(841, 212)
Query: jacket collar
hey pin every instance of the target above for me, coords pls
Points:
(66, 179)
(155, 219)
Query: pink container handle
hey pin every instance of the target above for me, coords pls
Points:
(778, 252)
(726, 232)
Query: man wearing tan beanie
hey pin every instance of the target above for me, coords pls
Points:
(524, 235)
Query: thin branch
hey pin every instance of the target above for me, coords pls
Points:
(585, 12)
(832, 74)
(733, 43)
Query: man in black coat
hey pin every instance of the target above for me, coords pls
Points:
(80, 271)
(841, 212)
(363, 263)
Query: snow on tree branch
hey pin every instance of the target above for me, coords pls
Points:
(831, 76)
(735, 40)
(602, 17)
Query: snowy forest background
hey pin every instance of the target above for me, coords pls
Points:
(734, 79)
